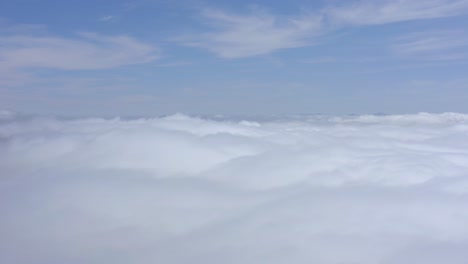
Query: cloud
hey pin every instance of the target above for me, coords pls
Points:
(6, 115)
(26, 48)
(254, 34)
(85, 51)
(12, 77)
(259, 33)
(176, 189)
(319, 60)
(106, 18)
(438, 45)
(383, 12)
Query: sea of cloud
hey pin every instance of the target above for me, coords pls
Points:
(179, 189)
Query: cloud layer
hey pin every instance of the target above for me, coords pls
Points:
(384, 12)
(307, 189)
(259, 32)
(88, 51)
(438, 45)
(255, 34)
(25, 49)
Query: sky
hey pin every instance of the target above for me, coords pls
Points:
(154, 57)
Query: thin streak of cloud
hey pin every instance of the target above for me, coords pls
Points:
(254, 34)
(320, 60)
(86, 51)
(384, 12)
(260, 33)
(174, 64)
(107, 18)
(442, 45)
(25, 48)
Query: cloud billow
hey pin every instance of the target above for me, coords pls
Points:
(177, 189)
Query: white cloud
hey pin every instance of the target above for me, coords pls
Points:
(390, 11)
(319, 60)
(86, 51)
(258, 33)
(255, 34)
(437, 45)
(26, 48)
(312, 189)
(11, 76)
(106, 18)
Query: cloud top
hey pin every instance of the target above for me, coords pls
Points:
(178, 189)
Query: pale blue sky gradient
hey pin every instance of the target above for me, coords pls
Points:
(150, 57)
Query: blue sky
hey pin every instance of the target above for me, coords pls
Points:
(151, 57)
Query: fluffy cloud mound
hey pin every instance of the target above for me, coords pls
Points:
(177, 189)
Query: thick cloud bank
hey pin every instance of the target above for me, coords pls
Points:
(177, 189)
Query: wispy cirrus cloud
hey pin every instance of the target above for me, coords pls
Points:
(436, 45)
(85, 51)
(390, 11)
(25, 50)
(319, 60)
(107, 18)
(259, 32)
